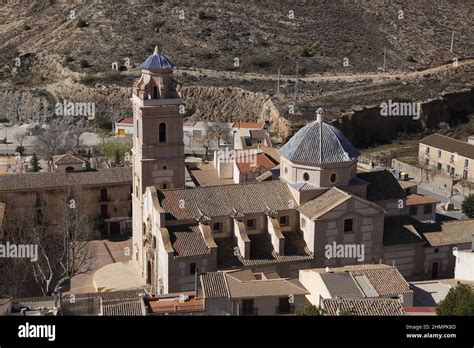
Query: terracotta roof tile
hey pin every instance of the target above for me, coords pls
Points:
(187, 241)
(364, 306)
(220, 200)
(416, 199)
(382, 186)
(449, 144)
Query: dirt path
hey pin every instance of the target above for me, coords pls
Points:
(375, 77)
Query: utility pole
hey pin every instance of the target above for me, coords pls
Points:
(296, 84)
(452, 42)
(278, 81)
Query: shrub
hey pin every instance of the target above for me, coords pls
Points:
(68, 59)
(410, 59)
(26, 27)
(261, 62)
(81, 23)
(467, 206)
(458, 301)
(206, 16)
(84, 64)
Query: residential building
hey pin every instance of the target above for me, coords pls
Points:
(367, 281)
(422, 208)
(124, 127)
(464, 268)
(103, 194)
(243, 292)
(447, 155)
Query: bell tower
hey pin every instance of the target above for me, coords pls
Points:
(158, 148)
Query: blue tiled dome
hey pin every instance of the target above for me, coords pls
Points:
(156, 61)
(319, 143)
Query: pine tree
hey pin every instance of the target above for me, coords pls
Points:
(34, 164)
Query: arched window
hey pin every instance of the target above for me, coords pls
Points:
(305, 176)
(164, 186)
(155, 92)
(333, 178)
(162, 133)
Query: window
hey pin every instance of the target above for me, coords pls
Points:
(103, 195)
(464, 174)
(248, 307)
(259, 141)
(333, 178)
(439, 153)
(154, 242)
(164, 167)
(427, 150)
(286, 170)
(164, 186)
(413, 210)
(192, 268)
(305, 176)
(439, 166)
(348, 225)
(155, 92)
(427, 162)
(448, 168)
(69, 169)
(284, 220)
(436, 250)
(452, 158)
(162, 133)
(427, 209)
(251, 224)
(466, 163)
(216, 227)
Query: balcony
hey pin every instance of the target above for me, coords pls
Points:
(285, 310)
(249, 311)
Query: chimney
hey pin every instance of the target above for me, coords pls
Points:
(320, 115)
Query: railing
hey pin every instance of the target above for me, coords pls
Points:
(285, 310)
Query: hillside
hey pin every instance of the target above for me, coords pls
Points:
(204, 38)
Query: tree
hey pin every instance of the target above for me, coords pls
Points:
(218, 131)
(34, 164)
(312, 310)
(63, 230)
(467, 206)
(458, 301)
(114, 150)
(56, 139)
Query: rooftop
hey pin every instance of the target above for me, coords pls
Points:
(382, 186)
(156, 61)
(319, 143)
(330, 199)
(384, 279)
(67, 159)
(449, 144)
(128, 121)
(248, 125)
(364, 306)
(246, 198)
(417, 199)
(246, 284)
(55, 180)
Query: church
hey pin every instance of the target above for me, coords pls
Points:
(282, 225)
